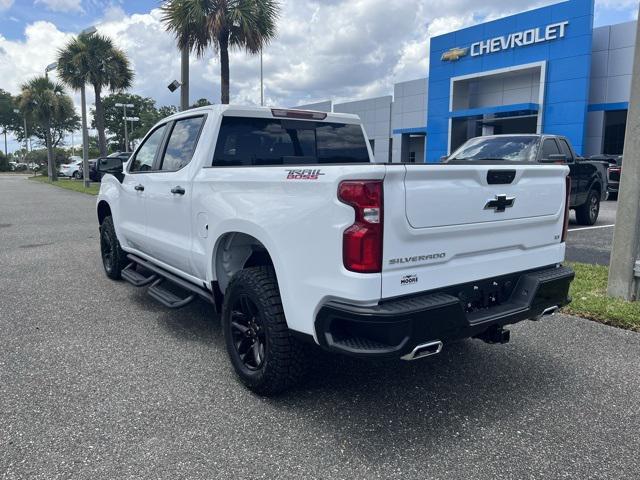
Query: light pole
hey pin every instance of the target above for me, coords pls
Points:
(624, 269)
(26, 135)
(49, 68)
(261, 81)
(125, 118)
(184, 77)
(87, 32)
(132, 120)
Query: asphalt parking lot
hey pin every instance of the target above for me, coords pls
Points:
(98, 381)
(593, 244)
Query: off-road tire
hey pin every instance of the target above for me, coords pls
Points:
(587, 213)
(114, 259)
(285, 360)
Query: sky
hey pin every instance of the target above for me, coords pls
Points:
(325, 49)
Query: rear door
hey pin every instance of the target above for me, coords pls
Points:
(169, 193)
(133, 214)
(450, 224)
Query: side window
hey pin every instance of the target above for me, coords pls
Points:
(549, 147)
(566, 150)
(143, 161)
(182, 143)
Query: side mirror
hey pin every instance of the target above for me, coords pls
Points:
(555, 158)
(111, 165)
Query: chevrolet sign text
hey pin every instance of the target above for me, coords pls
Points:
(520, 39)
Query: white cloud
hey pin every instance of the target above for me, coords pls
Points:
(5, 4)
(61, 5)
(21, 60)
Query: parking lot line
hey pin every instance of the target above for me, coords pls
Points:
(591, 228)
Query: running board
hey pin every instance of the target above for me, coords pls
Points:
(165, 296)
(135, 278)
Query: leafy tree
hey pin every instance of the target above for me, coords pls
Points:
(241, 24)
(46, 103)
(60, 128)
(40, 157)
(94, 59)
(165, 111)
(201, 102)
(7, 115)
(144, 108)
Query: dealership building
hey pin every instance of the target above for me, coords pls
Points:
(541, 71)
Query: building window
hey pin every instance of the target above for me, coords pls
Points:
(412, 157)
(615, 123)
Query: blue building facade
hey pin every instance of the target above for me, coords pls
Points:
(541, 71)
(529, 72)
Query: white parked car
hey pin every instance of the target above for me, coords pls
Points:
(71, 169)
(282, 220)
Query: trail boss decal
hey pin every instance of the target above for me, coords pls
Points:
(304, 174)
(418, 258)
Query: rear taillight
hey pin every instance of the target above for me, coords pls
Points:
(362, 241)
(565, 228)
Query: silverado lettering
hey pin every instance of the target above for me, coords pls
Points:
(418, 258)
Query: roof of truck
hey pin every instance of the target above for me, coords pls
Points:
(264, 112)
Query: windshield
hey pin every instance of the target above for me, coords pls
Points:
(262, 141)
(512, 148)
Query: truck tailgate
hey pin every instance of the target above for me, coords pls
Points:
(469, 222)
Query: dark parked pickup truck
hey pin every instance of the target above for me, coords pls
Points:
(614, 170)
(588, 178)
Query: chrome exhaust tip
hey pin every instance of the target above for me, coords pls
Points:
(424, 350)
(547, 312)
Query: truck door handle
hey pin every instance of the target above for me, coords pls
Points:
(139, 188)
(178, 190)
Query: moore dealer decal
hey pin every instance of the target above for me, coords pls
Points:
(304, 174)
(408, 279)
(417, 258)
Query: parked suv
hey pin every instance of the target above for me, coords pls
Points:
(282, 220)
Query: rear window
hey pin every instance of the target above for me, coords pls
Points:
(512, 148)
(263, 142)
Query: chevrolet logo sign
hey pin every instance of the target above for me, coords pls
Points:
(500, 203)
(454, 54)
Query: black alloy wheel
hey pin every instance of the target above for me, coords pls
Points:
(106, 249)
(264, 353)
(248, 334)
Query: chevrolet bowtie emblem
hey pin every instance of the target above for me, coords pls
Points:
(500, 203)
(454, 54)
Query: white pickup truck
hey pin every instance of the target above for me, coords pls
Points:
(281, 219)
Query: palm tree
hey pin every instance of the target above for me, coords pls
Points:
(221, 24)
(94, 59)
(46, 104)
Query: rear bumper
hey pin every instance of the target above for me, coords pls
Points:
(393, 328)
(613, 186)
